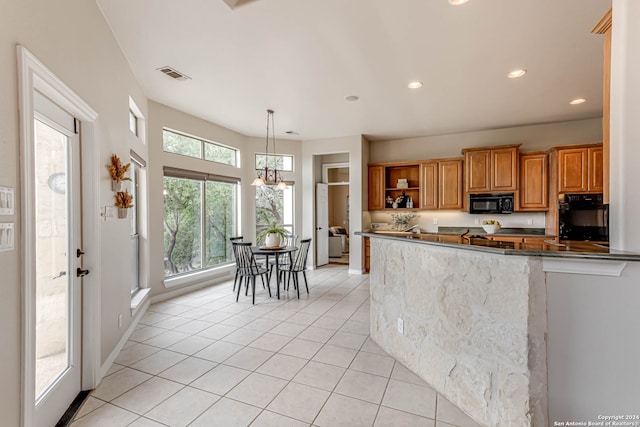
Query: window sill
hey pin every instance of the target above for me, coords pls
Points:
(138, 298)
(210, 274)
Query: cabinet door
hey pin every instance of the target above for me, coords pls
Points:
(596, 169)
(573, 170)
(376, 188)
(450, 184)
(504, 169)
(533, 182)
(478, 171)
(429, 185)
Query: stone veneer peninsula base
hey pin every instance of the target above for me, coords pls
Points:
(474, 326)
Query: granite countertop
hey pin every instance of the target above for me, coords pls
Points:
(565, 249)
(520, 232)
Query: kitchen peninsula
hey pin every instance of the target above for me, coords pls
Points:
(469, 316)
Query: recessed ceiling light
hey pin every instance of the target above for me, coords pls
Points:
(457, 2)
(577, 101)
(351, 98)
(415, 85)
(517, 73)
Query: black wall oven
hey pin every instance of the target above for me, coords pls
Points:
(584, 217)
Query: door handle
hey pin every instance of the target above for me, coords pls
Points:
(81, 273)
(79, 253)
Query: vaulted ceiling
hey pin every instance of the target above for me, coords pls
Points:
(303, 57)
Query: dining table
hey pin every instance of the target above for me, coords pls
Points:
(275, 251)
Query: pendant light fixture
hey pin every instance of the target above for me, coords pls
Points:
(267, 176)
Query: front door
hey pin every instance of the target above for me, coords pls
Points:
(54, 261)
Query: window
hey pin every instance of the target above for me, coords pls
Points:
(200, 215)
(133, 123)
(282, 162)
(274, 206)
(177, 143)
(137, 163)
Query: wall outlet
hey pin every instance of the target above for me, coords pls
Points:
(477, 221)
(435, 221)
(119, 321)
(6, 236)
(529, 221)
(400, 325)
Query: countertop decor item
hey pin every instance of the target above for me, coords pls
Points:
(491, 225)
(273, 234)
(402, 221)
(118, 172)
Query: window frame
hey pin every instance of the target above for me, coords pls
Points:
(268, 155)
(203, 178)
(203, 142)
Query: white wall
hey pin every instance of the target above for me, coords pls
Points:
(532, 138)
(72, 39)
(353, 145)
(594, 332)
(625, 127)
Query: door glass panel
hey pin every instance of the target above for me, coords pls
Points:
(52, 270)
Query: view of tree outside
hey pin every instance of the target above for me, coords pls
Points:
(182, 225)
(181, 144)
(221, 214)
(184, 201)
(220, 154)
(274, 205)
(282, 162)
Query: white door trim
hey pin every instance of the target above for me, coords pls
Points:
(32, 74)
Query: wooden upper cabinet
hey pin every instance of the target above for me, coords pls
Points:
(596, 168)
(376, 188)
(491, 169)
(581, 169)
(429, 185)
(573, 170)
(478, 171)
(450, 189)
(533, 182)
(604, 27)
(504, 169)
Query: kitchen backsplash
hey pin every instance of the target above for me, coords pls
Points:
(426, 219)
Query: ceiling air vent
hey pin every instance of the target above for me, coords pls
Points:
(173, 73)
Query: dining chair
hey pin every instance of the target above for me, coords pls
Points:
(299, 265)
(290, 241)
(232, 240)
(248, 269)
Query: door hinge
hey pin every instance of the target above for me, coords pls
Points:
(76, 126)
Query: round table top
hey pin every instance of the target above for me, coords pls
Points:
(271, 250)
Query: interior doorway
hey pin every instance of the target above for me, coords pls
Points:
(336, 176)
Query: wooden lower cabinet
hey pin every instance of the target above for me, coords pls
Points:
(514, 239)
(367, 253)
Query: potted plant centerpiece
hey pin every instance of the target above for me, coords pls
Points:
(123, 202)
(273, 235)
(117, 171)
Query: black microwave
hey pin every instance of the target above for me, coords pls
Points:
(584, 217)
(491, 203)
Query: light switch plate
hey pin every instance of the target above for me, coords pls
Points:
(7, 236)
(6, 201)
(108, 213)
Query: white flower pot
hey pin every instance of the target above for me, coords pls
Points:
(122, 212)
(116, 185)
(272, 239)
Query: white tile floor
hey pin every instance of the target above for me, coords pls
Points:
(204, 360)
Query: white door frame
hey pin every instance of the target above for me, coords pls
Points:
(32, 74)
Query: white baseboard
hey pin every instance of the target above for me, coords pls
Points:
(355, 271)
(125, 337)
(185, 290)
